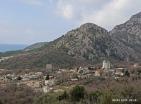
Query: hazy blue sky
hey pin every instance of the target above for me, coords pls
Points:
(31, 21)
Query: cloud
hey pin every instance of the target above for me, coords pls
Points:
(106, 13)
(72, 9)
(30, 25)
(66, 11)
(113, 13)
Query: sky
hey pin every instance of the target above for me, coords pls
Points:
(31, 21)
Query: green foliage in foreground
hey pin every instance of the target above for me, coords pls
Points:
(13, 94)
(78, 95)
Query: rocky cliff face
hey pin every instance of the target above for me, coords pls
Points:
(87, 44)
(88, 41)
(129, 34)
(94, 43)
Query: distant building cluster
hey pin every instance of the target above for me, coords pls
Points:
(5, 58)
(48, 80)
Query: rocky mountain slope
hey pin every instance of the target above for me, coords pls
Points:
(129, 34)
(35, 46)
(88, 44)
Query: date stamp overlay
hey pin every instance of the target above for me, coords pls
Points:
(124, 100)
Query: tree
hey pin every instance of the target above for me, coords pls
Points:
(47, 77)
(19, 78)
(1, 102)
(127, 73)
(77, 93)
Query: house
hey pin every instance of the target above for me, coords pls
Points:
(49, 82)
(74, 79)
(119, 72)
(98, 72)
(83, 71)
(47, 89)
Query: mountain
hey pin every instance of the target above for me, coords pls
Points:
(88, 44)
(129, 34)
(35, 46)
(11, 47)
(83, 45)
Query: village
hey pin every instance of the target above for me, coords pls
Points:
(50, 80)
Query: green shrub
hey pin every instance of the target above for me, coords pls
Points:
(95, 96)
(106, 98)
(77, 93)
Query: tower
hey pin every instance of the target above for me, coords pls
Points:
(49, 68)
(106, 65)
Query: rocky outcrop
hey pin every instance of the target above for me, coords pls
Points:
(129, 34)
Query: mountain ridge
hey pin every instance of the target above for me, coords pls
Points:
(87, 44)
